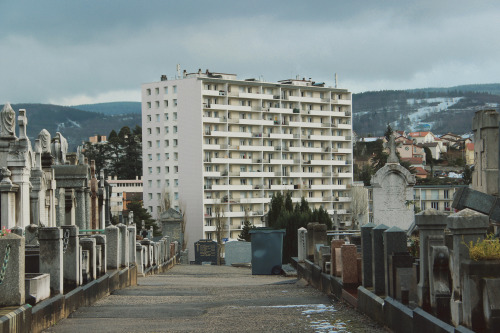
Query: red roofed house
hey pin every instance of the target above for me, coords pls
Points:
(421, 173)
(422, 137)
(469, 154)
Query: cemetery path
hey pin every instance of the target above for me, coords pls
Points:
(193, 298)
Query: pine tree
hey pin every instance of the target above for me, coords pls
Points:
(245, 235)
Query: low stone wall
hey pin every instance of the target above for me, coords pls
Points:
(386, 311)
(47, 313)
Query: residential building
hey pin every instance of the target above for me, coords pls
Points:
(118, 190)
(218, 143)
(469, 154)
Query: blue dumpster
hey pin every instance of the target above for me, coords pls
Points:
(267, 251)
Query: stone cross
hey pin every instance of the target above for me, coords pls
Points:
(393, 158)
(23, 122)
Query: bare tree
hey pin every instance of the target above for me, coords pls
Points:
(359, 205)
(182, 210)
(219, 228)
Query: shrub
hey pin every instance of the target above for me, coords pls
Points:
(486, 249)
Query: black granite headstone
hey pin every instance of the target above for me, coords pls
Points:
(378, 271)
(395, 240)
(205, 250)
(366, 250)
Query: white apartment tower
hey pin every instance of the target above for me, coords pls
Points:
(211, 140)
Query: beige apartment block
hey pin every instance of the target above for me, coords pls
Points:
(118, 187)
(214, 142)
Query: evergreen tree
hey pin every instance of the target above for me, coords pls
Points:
(142, 214)
(245, 235)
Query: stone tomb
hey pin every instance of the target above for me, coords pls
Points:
(238, 252)
(205, 250)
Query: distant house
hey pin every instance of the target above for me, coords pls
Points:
(435, 148)
(421, 173)
(469, 154)
(422, 137)
(416, 162)
(408, 151)
(450, 139)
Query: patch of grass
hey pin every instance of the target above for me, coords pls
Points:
(486, 249)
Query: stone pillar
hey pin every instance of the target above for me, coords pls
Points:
(113, 250)
(12, 286)
(366, 250)
(319, 238)
(139, 258)
(70, 209)
(349, 264)
(465, 226)
(17, 230)
(87, 208)
(80, 215)
(394, 242)
(61, 207)
(310, 243)
(378, 269)
(302, 244)
(167, 245)
(51, 257)
(8, 201)
(131, 243)
(21, 177)
(101, 241)
(148, 259)
(430, 223)
(71, 257)
(124, 251)
(89, 244)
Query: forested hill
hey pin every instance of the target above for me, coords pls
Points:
(112, 107)
(74, 124)
(440, 110)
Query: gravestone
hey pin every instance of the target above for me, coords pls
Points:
(302, 244)
(113, 247)
(378, 271)
(12, 286)
(171, 221)
(335, 244)
(398, 261)
(393, 194)
(205, 250)
(349, 264)
(51, 257)
(366, 250)
(71, 257)
(310, 243)
(238, 252)
(394, 242)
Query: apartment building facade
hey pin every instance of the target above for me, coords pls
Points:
(217, 143)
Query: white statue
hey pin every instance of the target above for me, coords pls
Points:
(8, 121)
(44, 138)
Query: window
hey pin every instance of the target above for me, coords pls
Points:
(166, 90)
(149, 144)
(149, 105)
(149, 130)
(158, 196)
(165, 103)
(150, 196)
(175, 115)
(175, 89)
(150, 183)
(176, 169)
(158, 170)
(167, 143)
(446, 194)
(148, 91)
(166, 116)
(149, 118)
(157, 143)
(175, 129)
(150, 157)
(157, 91)
(167, 156)
(150, 208)
(157, 117)
(157, 104)
(175, 102)
(158, 158)
(157, 130)
(166, 129)
(175, 142)
(435, 205)
(176, 195)
(150, 170)
(176, 182)
(158, 183)
(209, 235)
(176, 156)
(167, 169)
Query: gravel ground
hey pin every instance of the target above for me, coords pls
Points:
(191, 298)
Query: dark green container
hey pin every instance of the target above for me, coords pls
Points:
(267, 251)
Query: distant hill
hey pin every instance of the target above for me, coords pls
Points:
(440, 110)
(74, 124)
(111, 108)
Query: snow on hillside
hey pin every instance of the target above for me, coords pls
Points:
(429, 106)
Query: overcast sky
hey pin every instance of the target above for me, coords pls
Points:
(74, 52)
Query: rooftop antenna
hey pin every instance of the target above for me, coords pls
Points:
(178, 71)
(336, 80)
